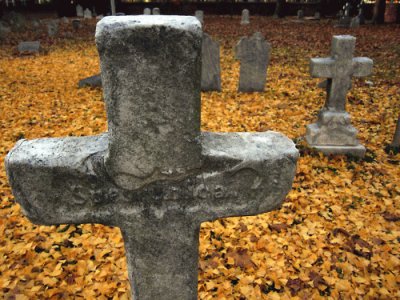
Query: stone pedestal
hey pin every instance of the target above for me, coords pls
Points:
(334, 134)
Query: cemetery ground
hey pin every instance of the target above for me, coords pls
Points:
(337, 234)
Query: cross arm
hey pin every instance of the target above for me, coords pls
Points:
(244, 173)
(322, 67)
(362, 66)
(56, 182)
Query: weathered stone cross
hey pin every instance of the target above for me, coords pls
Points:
(333, 133)
(154, 174)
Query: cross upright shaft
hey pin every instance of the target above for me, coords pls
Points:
(154, 174)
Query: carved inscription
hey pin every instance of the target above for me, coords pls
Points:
(200, 191)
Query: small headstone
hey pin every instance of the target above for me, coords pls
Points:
(355, 22)
(360, 14)
(333, 132)
(79, 11)
(65, 20)
(92, 81)
(87, 14)
(199, 14)
(156, 11)
(26, 48)
(147, 11)
(254, 54)
(4, 30)
(245, 17)
(35, 24)
(345, 19)
(317, 15)
(300, 14)
(76, 24)
(52, 28)
(154, 174)
(210, 67)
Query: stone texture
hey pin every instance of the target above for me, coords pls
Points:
(156, 11)
(27, 48)
(254, 54)
(245, 17)
(92, 81)
(147, 11)
(210, 68)
(154, 174)
(199, 14)
(333, 132)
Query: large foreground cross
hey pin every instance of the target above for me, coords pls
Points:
(154, 174)
(333, 132)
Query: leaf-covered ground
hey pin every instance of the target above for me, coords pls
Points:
(337, 235)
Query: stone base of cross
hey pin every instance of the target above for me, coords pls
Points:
(153, 174)
(333, 132)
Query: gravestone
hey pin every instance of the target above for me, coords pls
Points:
(79, 11)
(4, 31)
(26, 48)
(355, 22)
(92, 81)
(333, 132)
(253, 53)
(345, 19)
(76, 24)
(153, 174)
(52, 28)
(317, 15)
(156, 11)
(360, 14)
(210, 67)
(199, 14)
(245, 17)
(300, 14)
(147, 11)
(87, 14)
(65, 20)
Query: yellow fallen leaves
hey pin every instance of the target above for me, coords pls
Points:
(335, 236)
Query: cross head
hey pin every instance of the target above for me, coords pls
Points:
(339, 69)
(154, 174)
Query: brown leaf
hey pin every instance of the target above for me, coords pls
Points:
(336, 231)
(317, 279)
(390, 217)
(242, 258)
(296, 285)
(278, 227)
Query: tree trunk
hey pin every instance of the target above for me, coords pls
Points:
(379, 12)
(396, 138)
(280, 9)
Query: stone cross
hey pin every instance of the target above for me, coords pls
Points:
(254, 54)
(153, 174)
(79, 11)
(300, 14)
(333, 132)
(199, 14)
(156, 11)
(147, 11)
(245, 17)
(210, 67)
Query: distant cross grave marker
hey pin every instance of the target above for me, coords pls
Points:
(333, 132)
(154, 174)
